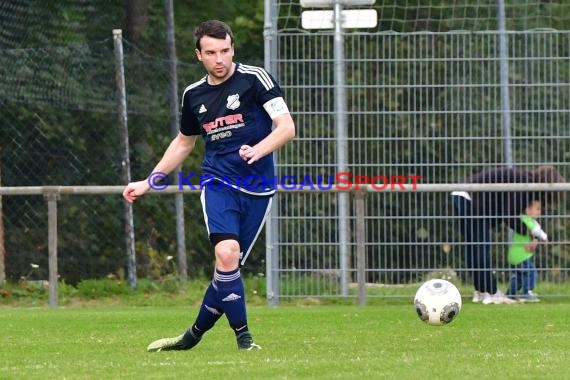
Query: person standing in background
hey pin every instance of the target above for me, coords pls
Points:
(479, 212)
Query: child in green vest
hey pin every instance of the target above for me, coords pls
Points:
(521, 252)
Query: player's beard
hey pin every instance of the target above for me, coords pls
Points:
(221, 75)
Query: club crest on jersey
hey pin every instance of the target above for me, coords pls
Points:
(233, 102)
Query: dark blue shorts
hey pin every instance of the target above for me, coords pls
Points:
(234, 214)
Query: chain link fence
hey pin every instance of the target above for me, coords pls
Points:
(423, 96)
(58, 105)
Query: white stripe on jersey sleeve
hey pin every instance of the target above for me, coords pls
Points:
(260, 73)
(195, 84)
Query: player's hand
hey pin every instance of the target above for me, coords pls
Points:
(249, 154)
(134, 190)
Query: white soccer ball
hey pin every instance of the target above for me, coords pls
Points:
(437, 302)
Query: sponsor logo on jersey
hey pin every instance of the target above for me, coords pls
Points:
(232, 121)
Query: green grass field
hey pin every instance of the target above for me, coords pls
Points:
(383, 341)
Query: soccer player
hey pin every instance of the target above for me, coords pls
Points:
(234, 108)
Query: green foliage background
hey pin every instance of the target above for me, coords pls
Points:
(58, 105)
(59, 120)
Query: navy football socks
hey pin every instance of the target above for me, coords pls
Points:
(231, 295)
(209, 313)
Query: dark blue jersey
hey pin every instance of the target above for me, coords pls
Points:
(229, 115)
(502, 206)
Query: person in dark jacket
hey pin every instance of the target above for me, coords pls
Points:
(479, 212)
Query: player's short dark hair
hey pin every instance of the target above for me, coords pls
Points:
(214, 29)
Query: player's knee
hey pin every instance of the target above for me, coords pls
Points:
(227, 255)
(227, 259)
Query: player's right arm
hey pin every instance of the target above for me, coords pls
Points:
(180, 147)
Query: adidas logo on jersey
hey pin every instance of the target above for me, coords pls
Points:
(202, 109)
(231, 297)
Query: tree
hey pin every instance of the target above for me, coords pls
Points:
(137, 20)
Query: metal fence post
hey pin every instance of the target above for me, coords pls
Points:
(2, 246)
(52, 197)
(341, 144)
(359, 196)
(178, 197)
(272, 224)
(504, 73)
(126, 163)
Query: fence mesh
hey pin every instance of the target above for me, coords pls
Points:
(409, 16)
(423, 97)
(58, 105)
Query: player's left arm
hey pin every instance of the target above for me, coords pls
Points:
(283, 132)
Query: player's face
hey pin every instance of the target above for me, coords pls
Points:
(217, 57)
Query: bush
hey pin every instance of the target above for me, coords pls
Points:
(92, 289)
(165, 292)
